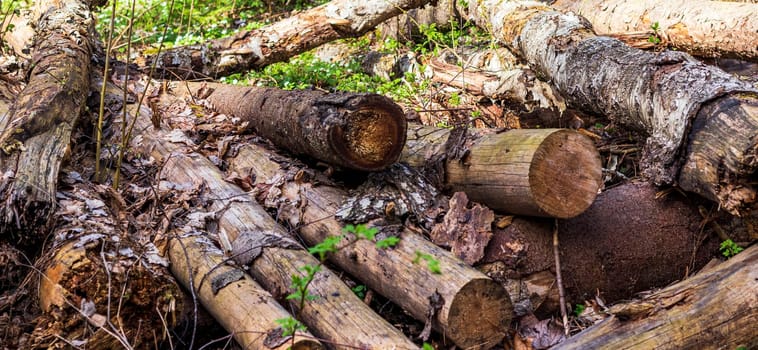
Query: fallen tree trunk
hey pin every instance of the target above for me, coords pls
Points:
(538, 172)
(715, 309)
(35, 135)
(626, 242)
(234, 299)
(357, 131)
(100, 286)
(475, 312)
(279, 41)
(336, 315)
(701, 27)
(662, 94)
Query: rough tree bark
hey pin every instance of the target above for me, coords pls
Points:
(281, 40)
(336, 316)
(357, 131)
(662, 94)
(538, 172)
(200, 266)
(715, 309)
(473, 311)
(35, 135)
(700, 27)
(626, 242)
(98, 277)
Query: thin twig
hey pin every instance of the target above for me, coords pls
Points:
(559, 280)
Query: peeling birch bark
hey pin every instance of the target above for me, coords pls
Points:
(657, 93)
(35, 135)
(281, 40)
(698, 27)
(715, 309)
(356, 131)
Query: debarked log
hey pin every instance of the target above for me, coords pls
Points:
(357, 131)
(474, 311)
(536, 172)
(715, 309)
(281, 40)
(336, 315)
(666, 95)
(235, 300)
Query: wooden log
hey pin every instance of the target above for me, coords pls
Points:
(357, 131)
(715, 309)
(100, 285)
(701, 27)
(626, 242)
(475, 311)
(336, 315)
(657, 93)
(537, 172)
(279, 41)
(35, 135)
(237, 302)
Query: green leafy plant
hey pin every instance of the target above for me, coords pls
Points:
(290, 326)
(360, 291)
(578, 309)
(654, 38)
(729, 249)
(432, 263)
(427, 346)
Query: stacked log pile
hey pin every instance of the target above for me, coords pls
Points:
(229, 216)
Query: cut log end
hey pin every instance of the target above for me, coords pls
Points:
(373, 136)
(565, 174)
(479, 315)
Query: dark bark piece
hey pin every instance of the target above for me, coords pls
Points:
(35, 135)
(337, 315)
(466, 231)
(538, 172)
(657, 93)
(196, 261)
(626, 242)
(699, 27)
(357, 131)
(475, 311)
(279, 41)
(715, 309)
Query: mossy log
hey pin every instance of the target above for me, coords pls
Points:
(715, 309)
(35, 135)
(234, 299)
(698, 27)
(337, 316)
(676, 100)
(475, 311)
(537, 172)
(357, 131)
(279, 41)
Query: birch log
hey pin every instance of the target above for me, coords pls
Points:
(336, 315)
(662, 94)
(475, 311)
(35, 135)
(699, 27)
(279, 41)
(357, 131)
(537, 172)
(715, 309)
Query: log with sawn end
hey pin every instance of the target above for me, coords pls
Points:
(336, 315)
(357, 131)
(537, 172)
(197, 264)
(715, 309)
(475, 311)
